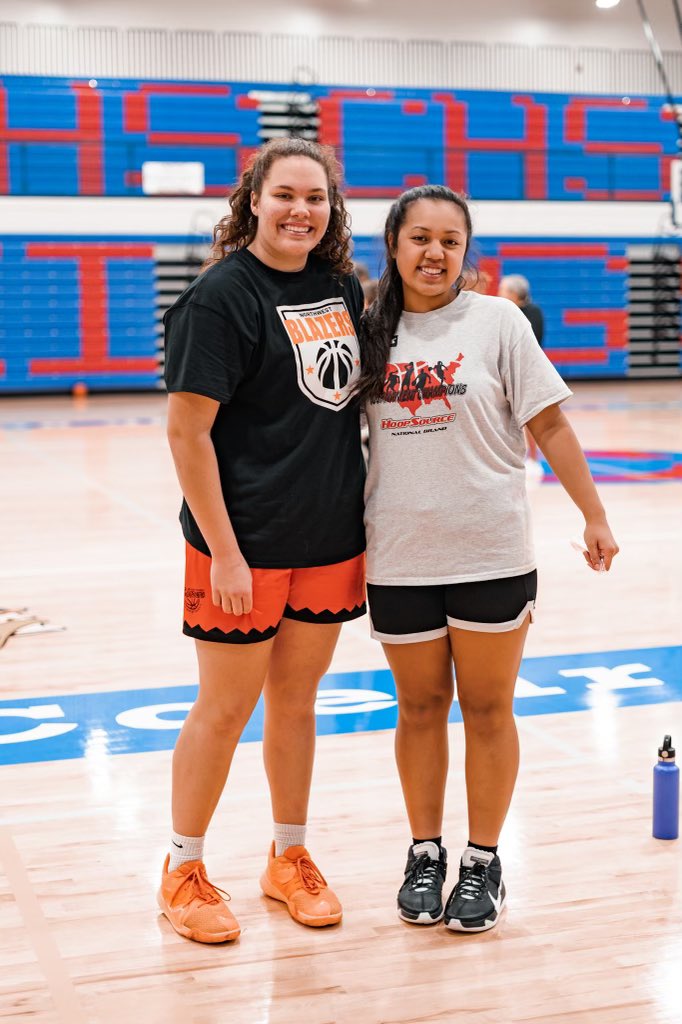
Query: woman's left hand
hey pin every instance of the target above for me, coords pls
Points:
(601, 545)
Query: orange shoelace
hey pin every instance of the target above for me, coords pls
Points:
(200, 887)
(311, 879)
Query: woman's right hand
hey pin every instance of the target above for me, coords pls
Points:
(231, 585)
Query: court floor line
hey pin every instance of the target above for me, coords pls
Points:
(70, 571)
(539, 733)
(81, 424)
(78, 478)
(89, 422)
(237, 797)
(66, 571)
(38, 929)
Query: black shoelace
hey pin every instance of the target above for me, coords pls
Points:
(473, 882)
(423, 873)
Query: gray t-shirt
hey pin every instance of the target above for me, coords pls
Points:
(446, 490)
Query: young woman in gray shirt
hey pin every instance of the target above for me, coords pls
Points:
(450, 378)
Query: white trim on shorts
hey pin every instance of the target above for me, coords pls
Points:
(436, 634)
(407, 638)
(495, 627)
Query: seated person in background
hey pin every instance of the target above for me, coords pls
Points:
(516, 288)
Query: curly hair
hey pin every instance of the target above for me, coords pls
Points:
(238, 228)
(380, 320)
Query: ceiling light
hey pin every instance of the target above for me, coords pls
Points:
(607, 3)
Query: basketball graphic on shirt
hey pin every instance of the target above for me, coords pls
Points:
(325, 349)
(418, 383)
(335, 364)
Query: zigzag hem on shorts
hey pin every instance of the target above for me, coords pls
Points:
(326, 616)
(233, 636)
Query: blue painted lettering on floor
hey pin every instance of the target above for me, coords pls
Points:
(630, 467)
(133, 721)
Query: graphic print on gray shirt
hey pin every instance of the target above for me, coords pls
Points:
(446, 489)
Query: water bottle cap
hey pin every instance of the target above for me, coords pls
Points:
(667, 751)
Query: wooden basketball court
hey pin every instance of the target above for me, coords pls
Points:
(592, 930)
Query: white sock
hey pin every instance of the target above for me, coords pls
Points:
(286, 836)
(184, 848)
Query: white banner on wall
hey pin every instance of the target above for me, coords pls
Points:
(161, 216)
(164, 178)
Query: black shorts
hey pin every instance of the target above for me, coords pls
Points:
(408, 615)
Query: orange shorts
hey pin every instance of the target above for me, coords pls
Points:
(327, 593)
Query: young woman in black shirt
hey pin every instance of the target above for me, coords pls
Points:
(261, 361)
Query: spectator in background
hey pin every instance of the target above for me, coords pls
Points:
(516, 288)
(476, 280)
(369, 288)
(361, 271)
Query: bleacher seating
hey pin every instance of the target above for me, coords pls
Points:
(83, 310)
(76, 310)
(581, 286)
(66, 137)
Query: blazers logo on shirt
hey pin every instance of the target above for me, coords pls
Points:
(325, 349)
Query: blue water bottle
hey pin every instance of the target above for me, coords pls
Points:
(666, 793)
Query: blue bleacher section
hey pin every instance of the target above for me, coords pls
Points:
(581, 286)
(69, 137)
(61, 137)
(78, 309)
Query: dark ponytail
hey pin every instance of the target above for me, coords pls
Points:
(380, 321)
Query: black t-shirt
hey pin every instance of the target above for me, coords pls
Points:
(534, 315)
(279, 351)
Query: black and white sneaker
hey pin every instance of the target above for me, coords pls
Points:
(475, 904)
(420, 900)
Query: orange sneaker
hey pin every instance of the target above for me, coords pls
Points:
(294, 879)
(194, 906)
